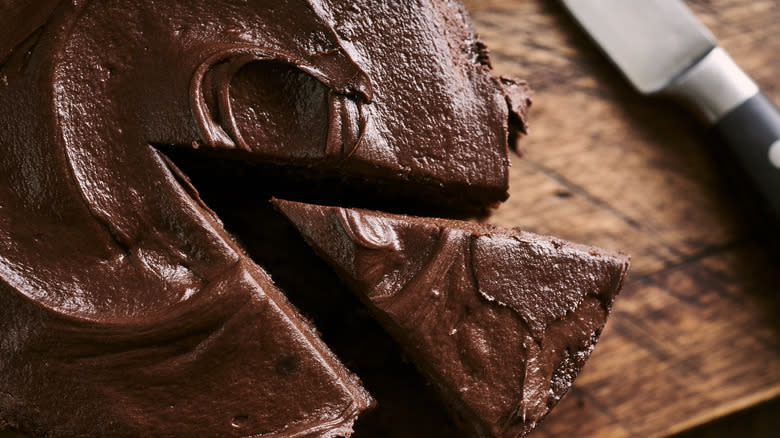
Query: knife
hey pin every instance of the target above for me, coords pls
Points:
(662, 49)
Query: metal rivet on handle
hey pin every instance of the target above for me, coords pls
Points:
(774, 154)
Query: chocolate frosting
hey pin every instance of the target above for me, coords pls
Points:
(501, 321)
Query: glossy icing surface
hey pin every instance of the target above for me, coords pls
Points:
(501, 321)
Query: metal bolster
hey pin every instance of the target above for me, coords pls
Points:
(713, 87)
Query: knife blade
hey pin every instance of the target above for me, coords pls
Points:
(661, 48)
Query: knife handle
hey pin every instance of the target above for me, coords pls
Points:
(751, 132)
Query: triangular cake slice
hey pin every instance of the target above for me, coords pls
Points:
(501, 321)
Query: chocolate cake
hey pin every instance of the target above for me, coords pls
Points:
(501, 321)
(127, 307)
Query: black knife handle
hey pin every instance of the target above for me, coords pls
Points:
(752, 133)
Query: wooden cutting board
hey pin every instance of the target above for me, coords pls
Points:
(695, 334)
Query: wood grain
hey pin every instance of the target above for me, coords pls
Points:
(695, 334)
